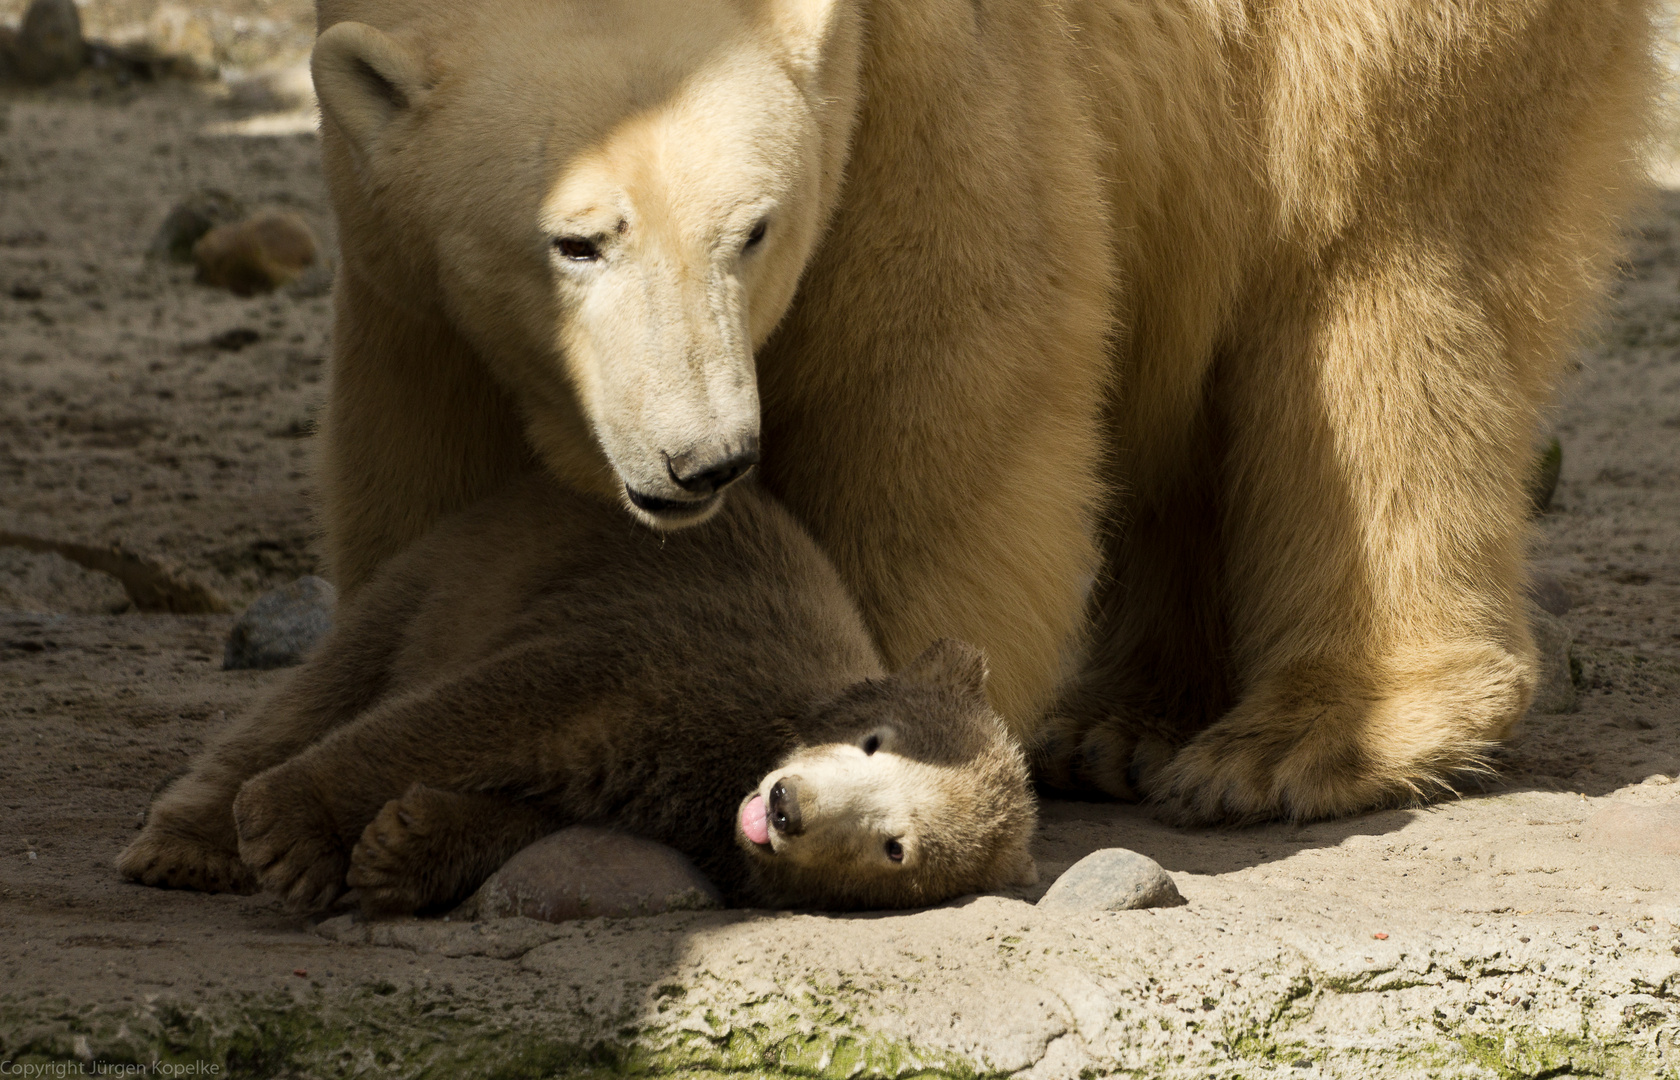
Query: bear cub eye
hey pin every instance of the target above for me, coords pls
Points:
(895, 851)
(871, 744)
(577, 248)
(756, 235)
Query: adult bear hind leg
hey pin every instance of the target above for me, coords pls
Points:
(1377, 438)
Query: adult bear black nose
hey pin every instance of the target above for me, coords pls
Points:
(784, 807)
(706, 469)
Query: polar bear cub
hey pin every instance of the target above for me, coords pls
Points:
(538, 661)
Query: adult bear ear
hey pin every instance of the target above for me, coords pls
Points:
(364, 80)
(807, 29)
(953, 663)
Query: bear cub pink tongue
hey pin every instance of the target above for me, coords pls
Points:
(755, 824)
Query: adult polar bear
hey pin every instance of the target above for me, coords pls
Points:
(1245, 312)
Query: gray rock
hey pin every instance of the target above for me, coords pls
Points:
(281, 627)
(1113, 879)
(583, 873)
(1549, 594)
(315, 281)
(49, 44)
(1554, 683)
(189, 220)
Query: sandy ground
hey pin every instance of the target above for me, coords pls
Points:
(1532, 927)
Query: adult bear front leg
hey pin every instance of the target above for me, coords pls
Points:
(1378, 438)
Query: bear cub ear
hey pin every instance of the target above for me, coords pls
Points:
(949, 662)
(364, 79)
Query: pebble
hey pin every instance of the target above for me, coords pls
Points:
(49, 43)
(1113, 879)
(281, 626)
(584, 872)
(259, 254)
(1554, 683)
(317, 281)
(188, 221)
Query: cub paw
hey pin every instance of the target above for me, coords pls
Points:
(288, 840)
(394, 865)
(168, 860)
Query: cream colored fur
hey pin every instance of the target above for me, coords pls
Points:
(1246, 312)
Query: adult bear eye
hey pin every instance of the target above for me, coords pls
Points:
(895, 851)
(577, 248)
(756, 235)
(872, 744)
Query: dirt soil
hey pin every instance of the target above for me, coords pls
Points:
(1528, 929)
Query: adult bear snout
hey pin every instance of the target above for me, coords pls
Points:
(784, 807)
(708, 469)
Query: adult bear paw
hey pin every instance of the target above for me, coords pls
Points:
(288, 839)
(1318, 760)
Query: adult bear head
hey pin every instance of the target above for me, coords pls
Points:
(610, 201)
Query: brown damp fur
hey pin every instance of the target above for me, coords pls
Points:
(1251, 312)
(540, 661)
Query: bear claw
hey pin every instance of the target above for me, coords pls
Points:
(386, 865)
(176, 862)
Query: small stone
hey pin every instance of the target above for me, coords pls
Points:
(313, 283)
(280, 628)
(1549, 595)
(583, 873)
(1554, 684)
(189, 220)
(49, 44)
(1113, 879)
(265, 251)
